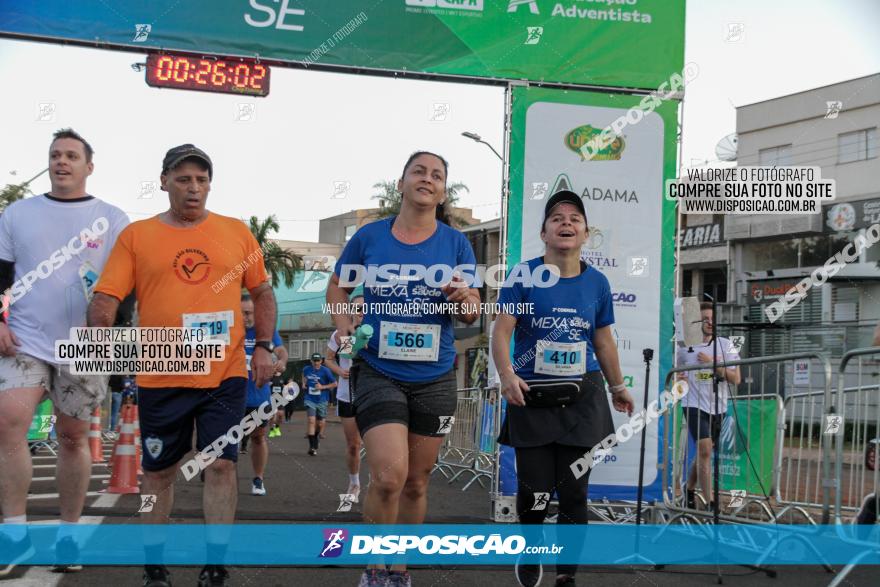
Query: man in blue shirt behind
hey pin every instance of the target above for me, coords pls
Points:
(257, 395)
(318, 380)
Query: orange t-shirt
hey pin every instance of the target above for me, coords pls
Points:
(183, 274)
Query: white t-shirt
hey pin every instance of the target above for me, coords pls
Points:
(51, 243)
(700, 394)
(342, 392)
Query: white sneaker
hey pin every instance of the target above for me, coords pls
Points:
(354, 490)
(257, 488)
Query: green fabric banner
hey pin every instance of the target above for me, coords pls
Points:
(624, 43)
(42, 422)
(748, 432)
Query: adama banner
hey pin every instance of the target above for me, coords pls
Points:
(632, 233)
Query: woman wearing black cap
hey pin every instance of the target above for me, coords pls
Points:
(557, 409)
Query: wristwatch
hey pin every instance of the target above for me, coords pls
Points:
(264, 344)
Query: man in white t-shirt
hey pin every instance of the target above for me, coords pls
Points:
(52, 250)
(345, 406)
(703, 420)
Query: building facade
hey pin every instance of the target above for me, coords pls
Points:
(752, 260)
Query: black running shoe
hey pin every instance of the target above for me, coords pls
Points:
(529, 575)
(213, 576)
(156, 576)
(66, 550)
(868, 512)
(565, 581)
(17, 551)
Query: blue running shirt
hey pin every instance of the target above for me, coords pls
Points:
(565, 320)
(397, 333)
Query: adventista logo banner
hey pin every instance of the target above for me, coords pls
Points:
(641, 43)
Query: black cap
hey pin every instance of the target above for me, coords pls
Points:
(177, 154)
(563, 196)
(316, 356)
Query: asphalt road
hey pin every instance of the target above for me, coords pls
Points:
(303, 488)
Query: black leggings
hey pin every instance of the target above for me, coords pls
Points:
(545, 469)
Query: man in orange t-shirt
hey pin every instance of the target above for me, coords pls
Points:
(188, 267)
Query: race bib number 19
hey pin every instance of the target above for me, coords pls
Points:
(559, 358)
(216, 323)
(409, 342)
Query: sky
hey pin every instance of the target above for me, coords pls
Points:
(315, 146)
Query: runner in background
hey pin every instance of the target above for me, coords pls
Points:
(403, 383)
(257, 395)
(344, 408)
(567, 337)
(704, 424)
(52, 249)
(317, 382)
(176, 261)
(115, 387)
(291, 389)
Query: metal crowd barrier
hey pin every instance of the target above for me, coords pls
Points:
(858, 432)
(800, 460)
(470, 448)
(853, 424)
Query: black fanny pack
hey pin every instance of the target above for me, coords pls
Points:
(552, 393)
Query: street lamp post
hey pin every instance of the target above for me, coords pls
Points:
(475, 137)
(502, 245)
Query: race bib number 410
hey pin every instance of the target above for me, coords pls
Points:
(409, 342)
(560, 358)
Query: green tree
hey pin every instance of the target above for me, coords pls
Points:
(280, 263)
(390, 199)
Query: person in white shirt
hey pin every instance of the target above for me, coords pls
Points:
(704, 423)
(344, 406)
(53, 248)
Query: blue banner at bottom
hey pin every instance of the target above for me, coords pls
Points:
(355, 544)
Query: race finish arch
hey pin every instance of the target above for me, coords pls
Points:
(570, 68)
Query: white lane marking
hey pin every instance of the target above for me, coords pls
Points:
(106, 500)
(39, 577)
(55, 466)
(53, 478)
(56, 496)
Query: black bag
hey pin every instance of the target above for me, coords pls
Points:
(552, 393)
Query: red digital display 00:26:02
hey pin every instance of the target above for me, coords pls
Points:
(233, 76)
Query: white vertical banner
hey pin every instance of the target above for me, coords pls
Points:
(622, 193)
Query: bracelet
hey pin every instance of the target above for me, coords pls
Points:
(619, 388)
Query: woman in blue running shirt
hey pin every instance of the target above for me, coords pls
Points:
(416, 271)
(567, 336)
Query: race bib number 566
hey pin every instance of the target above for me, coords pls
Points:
(409, 342)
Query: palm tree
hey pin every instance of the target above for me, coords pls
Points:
(280, 263)
(13, 192)
(390, 199)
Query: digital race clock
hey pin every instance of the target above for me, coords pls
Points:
(245, 77)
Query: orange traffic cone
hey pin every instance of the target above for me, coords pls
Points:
(95, 437)
(123, 410)
(137, 439)
(124, 476)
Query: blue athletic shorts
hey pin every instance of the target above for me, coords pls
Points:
(168, 416)
(318, 409)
